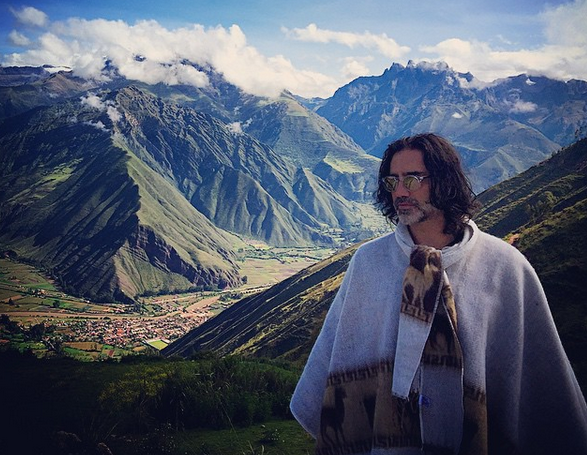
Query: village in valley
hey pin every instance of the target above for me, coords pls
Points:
(95, 332)
(38, 317)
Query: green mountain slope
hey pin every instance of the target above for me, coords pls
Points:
(178, 247)
(312, 142)
(239, 183)
(535, 195)
(304, 139)
(544, 213)
(85, 208)
(295, 132)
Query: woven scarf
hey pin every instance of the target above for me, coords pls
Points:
(428, 358)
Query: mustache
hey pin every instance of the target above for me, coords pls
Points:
(404, 200)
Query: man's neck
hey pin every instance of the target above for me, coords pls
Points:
(430, 233)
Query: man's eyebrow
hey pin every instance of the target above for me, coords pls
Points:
(418, 173)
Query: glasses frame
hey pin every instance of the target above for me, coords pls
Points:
(390, 182)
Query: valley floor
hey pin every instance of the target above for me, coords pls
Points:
(37, 316)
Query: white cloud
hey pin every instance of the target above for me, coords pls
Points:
(98, 125)
(563, 56)
(523, 107)
(457, 115)
(381, 43)
(148, 52)
(95, 102)
(474, 84)
(487, 64)
(31, 16)
(245, 66)
(113, 114)
(235, 128)
(354, 67)
(565, 24)
(18, 39)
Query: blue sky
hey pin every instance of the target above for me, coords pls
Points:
(308, 47)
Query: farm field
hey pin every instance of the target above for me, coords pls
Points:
(36, 316)
(264, 265)
(24, 288)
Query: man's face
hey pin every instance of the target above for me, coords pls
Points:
(414, 206)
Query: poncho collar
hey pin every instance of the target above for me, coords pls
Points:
(450, 254)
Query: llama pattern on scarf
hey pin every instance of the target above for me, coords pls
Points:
(359, 413)
(422, 283)
(332, 419)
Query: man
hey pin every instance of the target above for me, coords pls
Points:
(440, 339)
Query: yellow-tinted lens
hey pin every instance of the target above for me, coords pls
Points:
(412, 183)
(390, 183)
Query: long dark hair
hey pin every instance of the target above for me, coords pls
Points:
(450, 189)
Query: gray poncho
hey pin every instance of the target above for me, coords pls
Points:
(377, 383)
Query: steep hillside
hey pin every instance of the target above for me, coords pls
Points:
(544, 213)
(25, 88)
(86, 209)
(174, 246)
(296, 133)
(310, 141)
(237, 182)
(537, 194)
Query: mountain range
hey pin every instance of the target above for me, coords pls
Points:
(119, 187)
(118, 191)
(500, 129)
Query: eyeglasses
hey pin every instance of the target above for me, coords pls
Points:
(410, 182)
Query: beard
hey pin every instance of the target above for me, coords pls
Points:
(419, 212)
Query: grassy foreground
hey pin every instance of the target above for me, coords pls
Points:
(277, 437)
(272, 438)
(207, 406)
